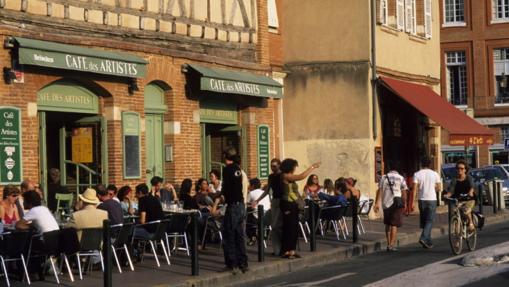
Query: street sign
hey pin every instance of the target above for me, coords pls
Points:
(263, 151)
(506, 143)
(10, 145)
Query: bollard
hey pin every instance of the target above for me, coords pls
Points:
(195, 267)
(312, 218)
(495, 196)
(261, 237)
(481, 197)
(107, 253)
(354, 205)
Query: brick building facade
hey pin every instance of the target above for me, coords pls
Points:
(474, 41)
(205, 66)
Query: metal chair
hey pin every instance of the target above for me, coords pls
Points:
(361, 213)
(66, 198)
(212, 225)
(334, 215)
(121, 237)
(90, 245)
(177, 229)
(12, 247)
(155, 238)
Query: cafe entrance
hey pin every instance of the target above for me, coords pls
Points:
(72, 136)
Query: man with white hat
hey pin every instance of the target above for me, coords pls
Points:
(88, 216)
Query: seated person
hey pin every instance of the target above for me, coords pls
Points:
(168, 194)
(127, 200)
(204, 198)
(87, 216)
(54, 187)
(38, 216)
(150, 209)
(255, 192)
(9, 212)
(188, 194)
(312, 187)
(110, 205)
(347, 187)
(113, 192)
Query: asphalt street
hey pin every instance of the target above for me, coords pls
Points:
(410, 266)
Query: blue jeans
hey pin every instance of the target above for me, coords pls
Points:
(427, 210)
(234, 241)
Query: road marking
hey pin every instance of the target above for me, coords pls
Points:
(317, 283)
(447, 272)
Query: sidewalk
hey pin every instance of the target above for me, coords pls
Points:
(329, 250)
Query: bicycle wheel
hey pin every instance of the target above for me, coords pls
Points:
(472, 236)
(455, 238)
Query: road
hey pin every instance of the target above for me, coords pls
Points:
(410, 266)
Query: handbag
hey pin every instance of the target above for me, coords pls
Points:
(397, 200)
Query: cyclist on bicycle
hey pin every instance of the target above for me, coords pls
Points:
(462, 189)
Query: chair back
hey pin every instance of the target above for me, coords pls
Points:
(13, 244)
(51, 243)
(91, 239)
(159, 234)
(335, 212)
(369, 204)
(122, 234)
(69, 241)
(178, 223)
(66, 198)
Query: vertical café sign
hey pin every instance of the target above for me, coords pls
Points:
(10, 145)
(263, 151)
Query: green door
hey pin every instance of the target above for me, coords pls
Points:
(154, 145)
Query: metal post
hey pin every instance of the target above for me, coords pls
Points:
(261, 231)
(312, 217)
(195, 267)
(481, 197)
(495, 196)
(354, 205)
(107, 253)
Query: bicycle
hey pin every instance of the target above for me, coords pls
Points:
(458, 229)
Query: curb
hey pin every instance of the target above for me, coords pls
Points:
(275, 268)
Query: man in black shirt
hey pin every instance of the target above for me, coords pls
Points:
(276, 221)
(108, 204)
(234, 248)
(150, 209)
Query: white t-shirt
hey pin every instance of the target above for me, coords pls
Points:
(398, 185)
(426, 180)
(41, 219)
(215, 190)
(255, 194)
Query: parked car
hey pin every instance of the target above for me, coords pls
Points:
(489, 173)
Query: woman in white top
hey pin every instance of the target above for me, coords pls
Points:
(215, 181)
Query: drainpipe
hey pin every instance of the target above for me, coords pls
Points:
(374, 75)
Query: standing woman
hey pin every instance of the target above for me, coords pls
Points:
(289, 206)
(9, 213)
(312, 187)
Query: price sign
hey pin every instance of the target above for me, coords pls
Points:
(10, 145)
(263, 133)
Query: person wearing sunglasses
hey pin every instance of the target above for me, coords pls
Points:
(9, 212)
(462, 188)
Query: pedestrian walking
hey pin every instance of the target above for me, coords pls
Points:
(427, 182)
(234, 221)
(276, 217)
(391, 194)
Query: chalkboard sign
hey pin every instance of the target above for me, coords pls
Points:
(131, 144)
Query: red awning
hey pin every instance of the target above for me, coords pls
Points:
(463, 129)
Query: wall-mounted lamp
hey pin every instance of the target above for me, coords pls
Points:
(9, 75)
(132, 86)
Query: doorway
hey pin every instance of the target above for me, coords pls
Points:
(154, 145)
(216, 138)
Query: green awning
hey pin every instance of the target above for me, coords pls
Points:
(68, 57)
(234, 82)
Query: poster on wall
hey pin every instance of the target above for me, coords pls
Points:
(82, 145)
(263, 135)
(10, 146)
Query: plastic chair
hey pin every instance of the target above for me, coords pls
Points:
(66, 198)
(335, 215)
(177, 227)
(360, 213)
(12, 247)
(121, 237)
(155, 238)
(90, 245)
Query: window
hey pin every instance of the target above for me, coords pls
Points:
(454, 12)
(428, 20)
(501, 71)
(504, 131)
(500, 10)
(457, 78)
(384, 12)
(273, 19)
(410, 20)
(400, 14)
